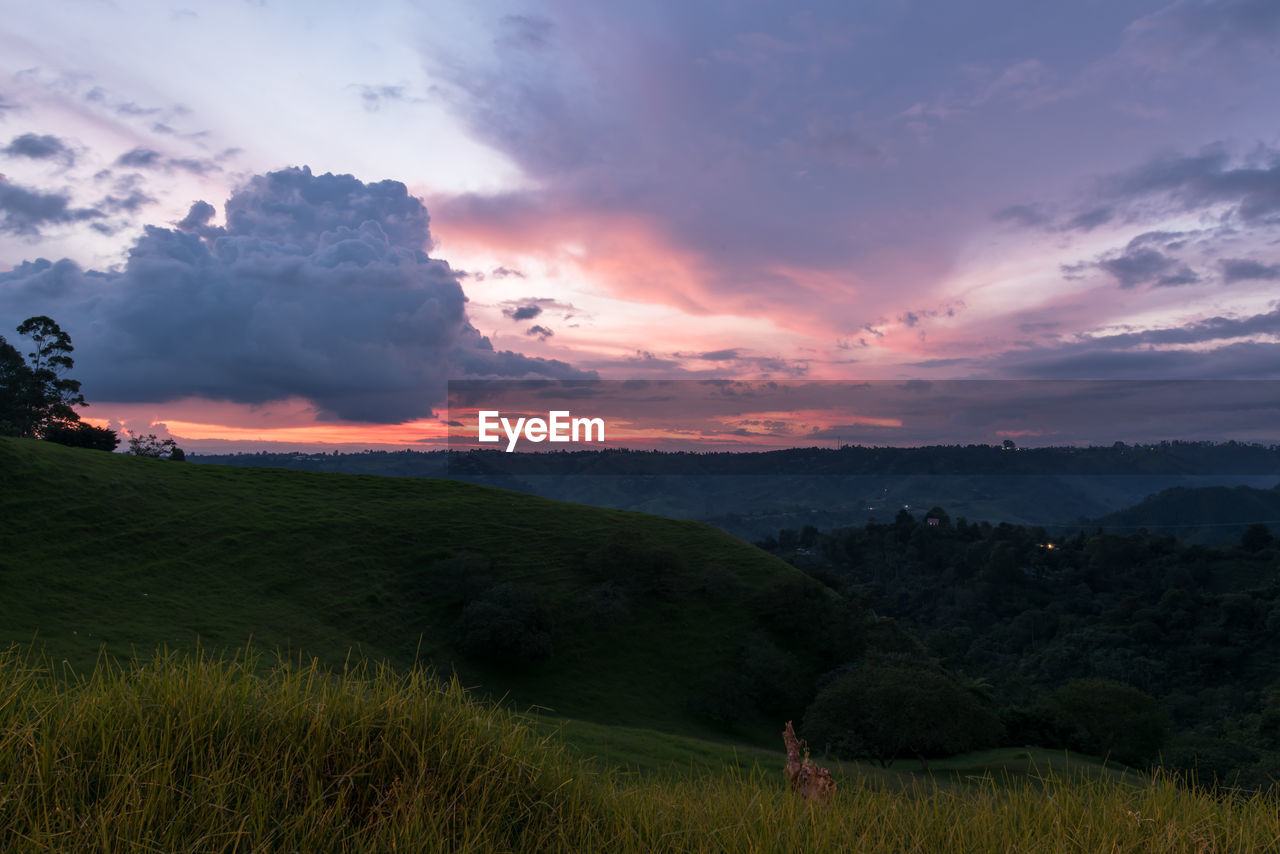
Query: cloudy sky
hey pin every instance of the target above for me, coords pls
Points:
(295, 221)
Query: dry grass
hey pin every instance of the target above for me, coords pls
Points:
(187, 753)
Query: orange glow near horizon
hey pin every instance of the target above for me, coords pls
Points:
(744, 430)
(408, 434)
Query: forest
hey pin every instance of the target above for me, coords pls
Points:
(1185, 637)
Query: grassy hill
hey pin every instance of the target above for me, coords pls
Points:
(110, 551)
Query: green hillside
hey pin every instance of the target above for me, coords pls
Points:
(105, 550)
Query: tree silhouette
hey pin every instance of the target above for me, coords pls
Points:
(36, 399)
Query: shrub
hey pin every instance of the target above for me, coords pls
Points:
(77, 434)
(886, 710)
(504, 627)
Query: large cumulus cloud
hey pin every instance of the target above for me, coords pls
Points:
(317, 286)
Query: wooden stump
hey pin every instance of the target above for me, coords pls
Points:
(807, 779)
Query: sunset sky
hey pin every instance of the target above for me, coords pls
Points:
(276, 224)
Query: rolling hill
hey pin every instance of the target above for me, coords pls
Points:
(106, 551)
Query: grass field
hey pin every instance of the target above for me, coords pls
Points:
(185, 753)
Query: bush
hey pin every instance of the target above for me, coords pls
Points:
(1208, 761)
(160, 449)
(77, 434)
(504, 627)
(886, 710)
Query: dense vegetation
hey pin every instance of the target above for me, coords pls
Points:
(1099, 642)
(1164, 457)
(187, 753)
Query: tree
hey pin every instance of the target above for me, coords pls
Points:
(34, 393)
(17, 386)
(1111, 719)
(899, 708)
(82, 435)
(58, 395)
(150, 446)
(1256, 537)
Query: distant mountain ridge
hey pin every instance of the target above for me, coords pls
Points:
(1207, 514)
(754, 495)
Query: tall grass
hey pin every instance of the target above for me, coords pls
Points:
(184, 752)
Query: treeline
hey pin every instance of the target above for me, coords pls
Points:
(1182, 643)
(1155, 458)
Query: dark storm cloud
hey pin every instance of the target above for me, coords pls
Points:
(317, 287)
(197, 217)
(1212, 348)
(1138, 266)
(1208, 178)
(541, 332)
(504, 272)
(531, 307)
(40, 147)
(1197, 332)
(718, 356)
(25, 211)
(1243, 269)
(524, 312)
(139, 158)
(787, 156)
(1244, 360)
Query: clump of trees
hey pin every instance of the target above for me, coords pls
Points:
(37, 398)
(899, 707)
(159, 449)
(1107, 718)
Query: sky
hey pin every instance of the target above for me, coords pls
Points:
(277, 224)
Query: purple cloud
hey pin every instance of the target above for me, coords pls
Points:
(40, 147)
(25, 211)
(319, 286)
